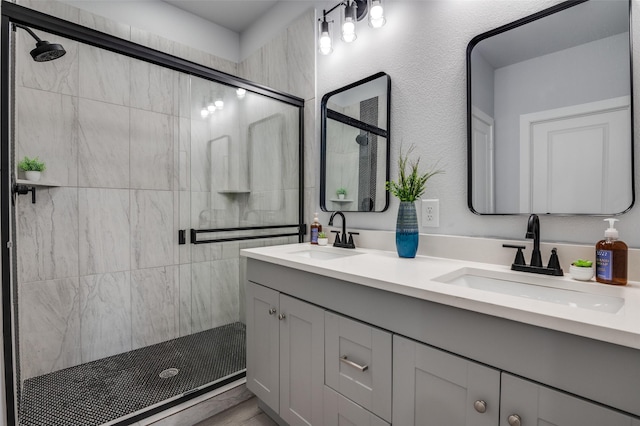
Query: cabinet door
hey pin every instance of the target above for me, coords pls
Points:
(339, 411)
(434, 388)
(263, 344)
(301, 362)
(358, 363)
(536, 405)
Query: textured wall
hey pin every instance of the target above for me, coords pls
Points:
(422, 47)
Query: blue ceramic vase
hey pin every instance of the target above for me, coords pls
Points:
(407, 230)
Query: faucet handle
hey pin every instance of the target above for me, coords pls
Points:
(337, 240)
(554, 261)
(351, 244)
(519, 260)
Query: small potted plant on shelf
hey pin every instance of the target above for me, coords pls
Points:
(341, 193)
(581, 270)
(32, 168)
(322, 239)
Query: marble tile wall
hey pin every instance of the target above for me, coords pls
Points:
(99, 268)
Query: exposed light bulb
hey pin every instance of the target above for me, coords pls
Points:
(211, 107)
(376, 14)
(349, 23)
(219, 104)
(324, 43)
(240, 93)
(204, 112)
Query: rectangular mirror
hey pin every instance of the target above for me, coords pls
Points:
(355, 146)
(550, 113)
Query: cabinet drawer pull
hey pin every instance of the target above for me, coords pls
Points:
(480, 406)
(272, 311)
(353, 364)
(282, 316)
(514, 420)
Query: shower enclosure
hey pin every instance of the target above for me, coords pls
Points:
(122, 282)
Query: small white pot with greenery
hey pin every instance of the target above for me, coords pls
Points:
(32, 168)
(322, 239)
(341, 193)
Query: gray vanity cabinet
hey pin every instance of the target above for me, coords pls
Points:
(285, 354)
(433, 387)
(525, 403)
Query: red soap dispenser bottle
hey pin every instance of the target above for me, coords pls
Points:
(611, 257)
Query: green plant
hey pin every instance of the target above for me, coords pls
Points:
(341, 191)
(411, 186)
(322, 235)
(32, 165)
(583, 263)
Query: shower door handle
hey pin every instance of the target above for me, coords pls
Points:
(23, 190)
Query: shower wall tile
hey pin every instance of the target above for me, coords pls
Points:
(225, 292)
(103, 152)
(151, 148)
(251, 67)
(151, 87)
(59, 76)
(53, 8)
(105, 25)
(47, 235)
(274, 65)
(152, 236)
(152, 41)
(223, 65)
(105, 315)
(104, 230)
(301, 56)
(201, 278)
(47, 128)
(153, 299)
(311, 147)
(49, 326)
(104, 75)
(200, 155)
(182, 95)
(185, 300)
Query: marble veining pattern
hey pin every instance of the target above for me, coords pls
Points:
(50, 326)
(152, 305)
(54, 138)
(104, 230)
(104, 75)
(151, 148)
(47, 235)
(152, 235)
(105, 315)
(151, 87)
(201, 276)
(103, 154)
(224, 292)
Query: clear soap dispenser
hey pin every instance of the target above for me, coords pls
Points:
(611, 257)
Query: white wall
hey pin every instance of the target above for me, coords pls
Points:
(422, 47)
(170, 22)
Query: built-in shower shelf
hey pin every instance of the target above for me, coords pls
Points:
(344, 200)
(38, 183)
(234, 191)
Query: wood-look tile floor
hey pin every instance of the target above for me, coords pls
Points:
(245, 414)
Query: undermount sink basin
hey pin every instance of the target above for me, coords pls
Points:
(531, 287)
(325, 254)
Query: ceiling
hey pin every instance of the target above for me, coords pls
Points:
(235, 15)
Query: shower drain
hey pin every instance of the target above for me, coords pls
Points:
(169, 372)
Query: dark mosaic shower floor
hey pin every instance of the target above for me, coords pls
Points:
(101, 391)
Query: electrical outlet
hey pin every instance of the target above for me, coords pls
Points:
(431, 213)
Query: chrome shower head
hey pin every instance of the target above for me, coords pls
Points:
(44, 50)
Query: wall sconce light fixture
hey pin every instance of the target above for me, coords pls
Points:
(352, 12)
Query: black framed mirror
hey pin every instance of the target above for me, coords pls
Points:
(550, 107)
(355, 143)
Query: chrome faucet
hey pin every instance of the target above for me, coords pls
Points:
(342, 242)
(519, 264)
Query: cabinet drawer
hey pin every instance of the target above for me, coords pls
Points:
(338, 410)
(358, 363)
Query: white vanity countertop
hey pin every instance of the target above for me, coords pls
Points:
(415, 277)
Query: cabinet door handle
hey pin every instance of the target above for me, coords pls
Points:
(480, 406)
(353, 364)
(272, 311)
(282, 316)
(514, 420)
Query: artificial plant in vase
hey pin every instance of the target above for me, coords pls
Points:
(410, 186)
(32, 168)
